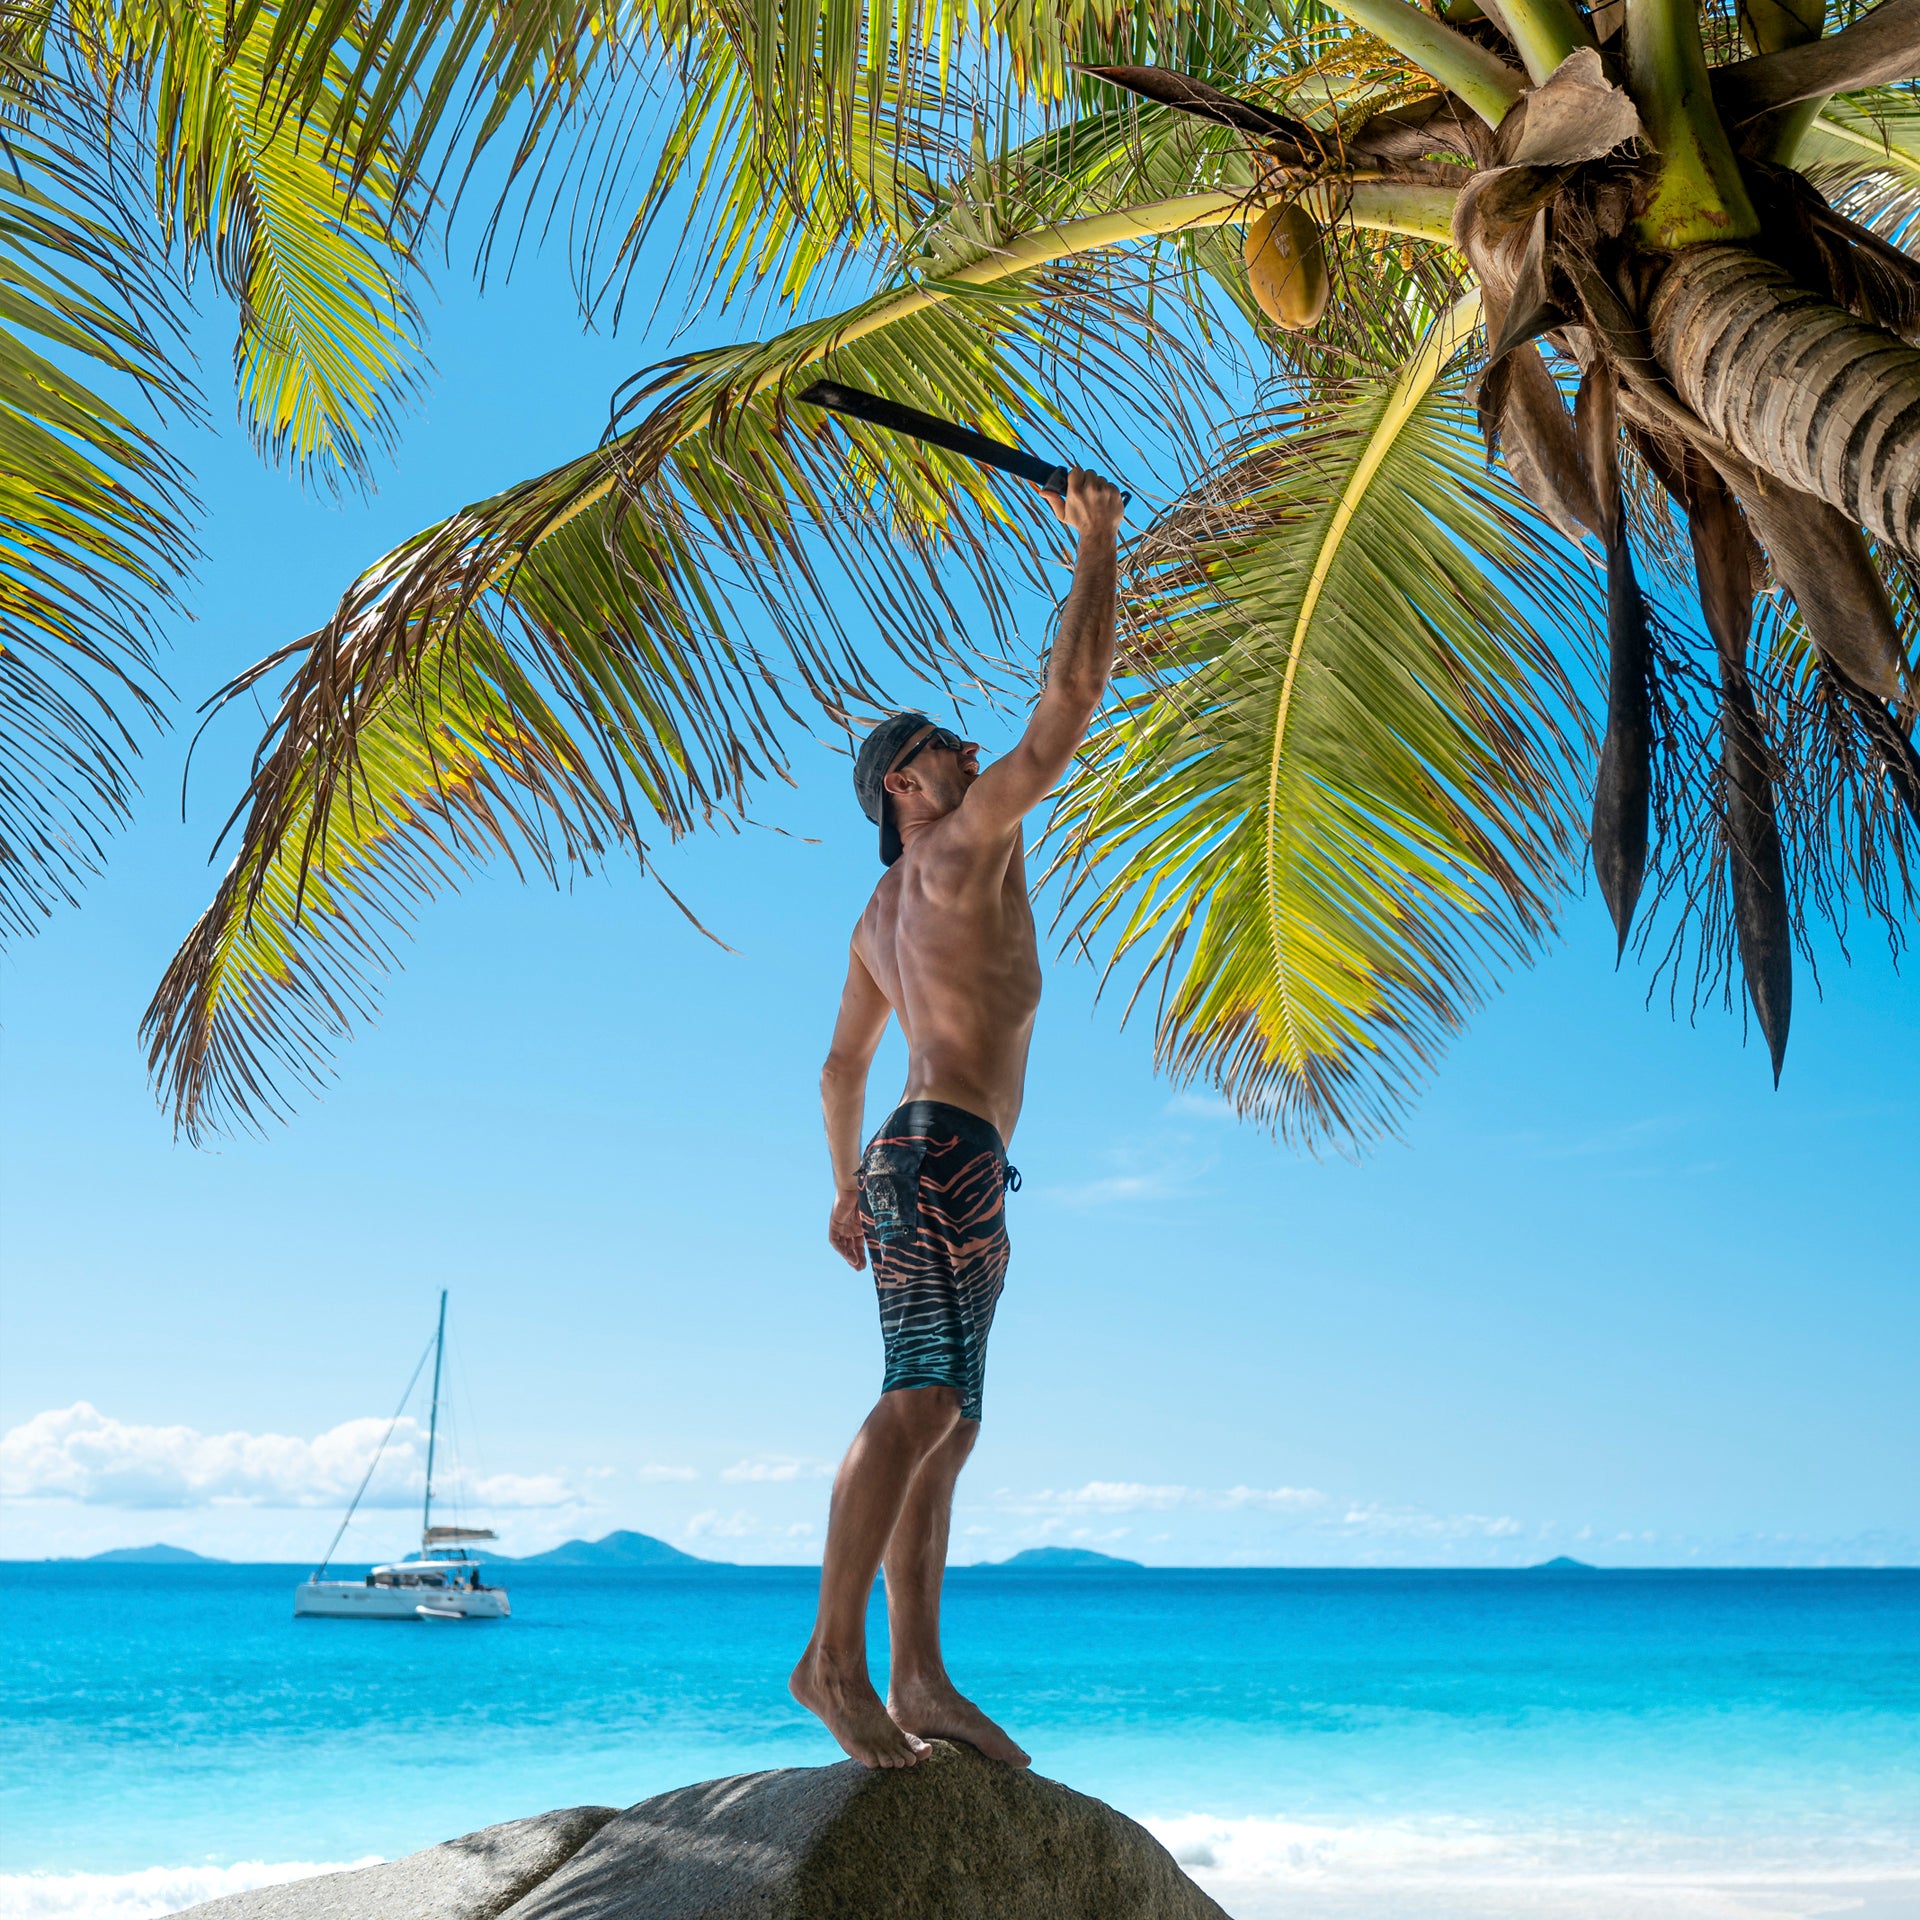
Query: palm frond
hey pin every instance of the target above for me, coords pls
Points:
(803, 140)
(628, 590)
(1849, 839)
(1344, 790)
(96, 516)
(314, 251)
(1863, 152)
(761, 206)
(425, 82)
(467, 759)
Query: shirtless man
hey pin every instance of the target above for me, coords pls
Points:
(947, 943)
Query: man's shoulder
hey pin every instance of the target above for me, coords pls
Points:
(971, 836)
(882, 903)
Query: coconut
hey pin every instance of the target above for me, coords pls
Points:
(1287, 265)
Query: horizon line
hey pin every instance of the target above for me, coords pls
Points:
(969, 1566)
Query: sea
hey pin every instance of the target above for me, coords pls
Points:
(1318, 1745)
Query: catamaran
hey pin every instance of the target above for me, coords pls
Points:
(443, 1581)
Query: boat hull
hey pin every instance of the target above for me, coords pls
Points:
(352, 1600)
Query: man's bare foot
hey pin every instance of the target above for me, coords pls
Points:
(846, 1704)
(937, 1709)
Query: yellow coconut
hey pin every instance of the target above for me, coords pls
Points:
(1287, 265)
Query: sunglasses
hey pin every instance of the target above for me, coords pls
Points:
(938, 737)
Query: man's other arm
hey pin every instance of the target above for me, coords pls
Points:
(843, 1100)
(1077, 670)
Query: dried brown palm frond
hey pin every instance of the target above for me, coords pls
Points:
(1848, 835)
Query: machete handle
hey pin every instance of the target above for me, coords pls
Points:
(1047, 475)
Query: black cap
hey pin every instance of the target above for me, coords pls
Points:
(881, 748)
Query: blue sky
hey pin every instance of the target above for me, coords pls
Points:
(1612, 1295)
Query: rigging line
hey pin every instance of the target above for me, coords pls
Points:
(366, 1477)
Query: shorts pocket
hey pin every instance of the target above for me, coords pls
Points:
(890, 1189)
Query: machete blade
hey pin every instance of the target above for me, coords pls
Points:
(1048, 475)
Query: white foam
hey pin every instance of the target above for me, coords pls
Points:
(1261, 1847)
(149, 1892)
(1259, 1867)
(1269, 1847)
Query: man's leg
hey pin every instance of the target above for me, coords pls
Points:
(920, 1697)
(904, 1429)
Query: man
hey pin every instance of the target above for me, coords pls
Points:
(947, 943)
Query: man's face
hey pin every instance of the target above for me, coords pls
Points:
(942, 773)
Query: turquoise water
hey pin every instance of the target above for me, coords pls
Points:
(1269, 1724)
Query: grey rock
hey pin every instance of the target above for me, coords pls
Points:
(472, 1878)
(954, 1838)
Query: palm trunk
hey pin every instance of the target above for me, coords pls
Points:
(1807, 393)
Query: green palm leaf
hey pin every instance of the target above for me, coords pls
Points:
(803, 128)
(1864, 152)
(631, 585)
(601, 603)
(1347, 788)
(467, 759)
(95, 514)
(316, 256)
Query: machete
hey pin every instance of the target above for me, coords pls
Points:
(1044, 474)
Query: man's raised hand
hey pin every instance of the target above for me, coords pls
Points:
(1091, 505)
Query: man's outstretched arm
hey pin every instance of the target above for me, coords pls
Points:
(1077, 669)
(843, 1100)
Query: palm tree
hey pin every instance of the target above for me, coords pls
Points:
(1648, 254)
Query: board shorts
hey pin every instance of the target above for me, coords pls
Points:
(933, 1210)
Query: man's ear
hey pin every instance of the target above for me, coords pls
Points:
(901, 781)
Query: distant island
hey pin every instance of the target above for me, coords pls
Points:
(157, 1555)
(1561, 1563)
(1048, 1557)
(621, 1549)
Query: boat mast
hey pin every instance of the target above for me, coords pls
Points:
(433, 1419)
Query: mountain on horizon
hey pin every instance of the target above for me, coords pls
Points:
(619, 1549)
(1062, 1557)
(157, 1555)
(1562, 1563)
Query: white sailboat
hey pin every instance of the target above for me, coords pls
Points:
(443, 1581)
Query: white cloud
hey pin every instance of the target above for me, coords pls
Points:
(1274, 1499)
(516, 1490)
(1202, 1106)
(1415, 1523)
(653, 1475)
(1165, 1184)
(1309, 1522)
(741, 1525)
(78, 1453)
(1133, 1496)
(1151, 1170)
(777, 1466)
(1113, 1496)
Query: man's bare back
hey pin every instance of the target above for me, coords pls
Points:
(947, 944)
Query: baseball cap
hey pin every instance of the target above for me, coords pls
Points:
(881, 748)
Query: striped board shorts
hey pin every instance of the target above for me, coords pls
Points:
(933, 1187)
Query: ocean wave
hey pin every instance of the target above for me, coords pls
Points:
(1272, 1847)
(149, 1892)
(1263, 1867)
(1266, 1847)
